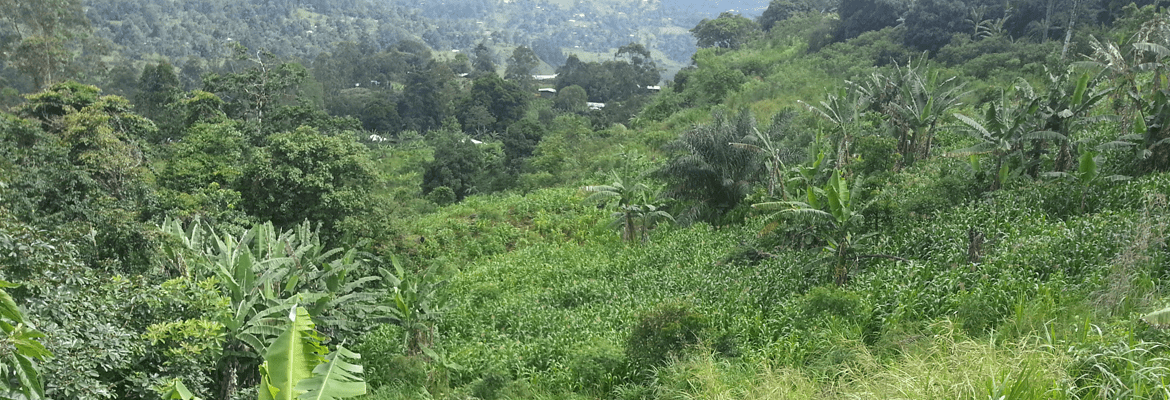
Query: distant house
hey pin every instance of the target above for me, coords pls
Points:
(546, 92)
(654, 88)
(544, 77)
(595, 106)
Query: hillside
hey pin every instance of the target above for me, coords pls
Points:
(820, 205)
(181, 30)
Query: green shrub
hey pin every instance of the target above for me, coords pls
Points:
(826, 301)
(878, 154)
(664, 333)
(442, 196)
(490, 385)
(598, 368)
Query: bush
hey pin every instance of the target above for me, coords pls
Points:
(598, 368)
(824, 301)
(442, 196)
(663, 334)
(878, 155)
(489, 387)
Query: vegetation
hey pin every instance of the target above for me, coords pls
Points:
(971, 203)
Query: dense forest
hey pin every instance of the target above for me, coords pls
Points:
(833, 199)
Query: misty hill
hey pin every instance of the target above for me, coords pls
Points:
(176, 30)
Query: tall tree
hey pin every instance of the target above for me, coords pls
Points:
(158, 89)
(520, 66)
(484, 62)
(503, 100)
(729, 31)
(305, 175)
(253, 94)
(42, 34)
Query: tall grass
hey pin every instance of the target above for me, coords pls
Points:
(947, 366)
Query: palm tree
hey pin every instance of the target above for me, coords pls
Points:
(711, 173)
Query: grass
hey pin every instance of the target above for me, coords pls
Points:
(945, 365)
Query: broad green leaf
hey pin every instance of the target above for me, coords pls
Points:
(291, 357)
(8, 308)
(335, 378)
(1087, 167)
(177, 391)
(1079, 93)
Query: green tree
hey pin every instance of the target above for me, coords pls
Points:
(504, 100)
(729, 31)
(304, 175)
(209, 153)
(709, 172)
(780, 10)
(571, 99)
(520, 141)
(638, 57)
(484, 62)
(157, 91)
(520, 66)
(931, 23)
(459, 164)
(425, 101)
(860, 16)
(257, 91)
(44, 34)
(85, 166)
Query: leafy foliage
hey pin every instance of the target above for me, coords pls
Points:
(295, 366)
(711, 173)
(23, 350)
(304, 175)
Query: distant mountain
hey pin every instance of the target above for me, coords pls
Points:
(711, 8)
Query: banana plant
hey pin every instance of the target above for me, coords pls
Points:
(1087, 173)
(1006, 130)
(296, 365)
(844, 110)
(1150, 133)
(19, 377)
(1159, 319)
(264, 270)
(842, 219)
(636, 212)
(414, 306)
